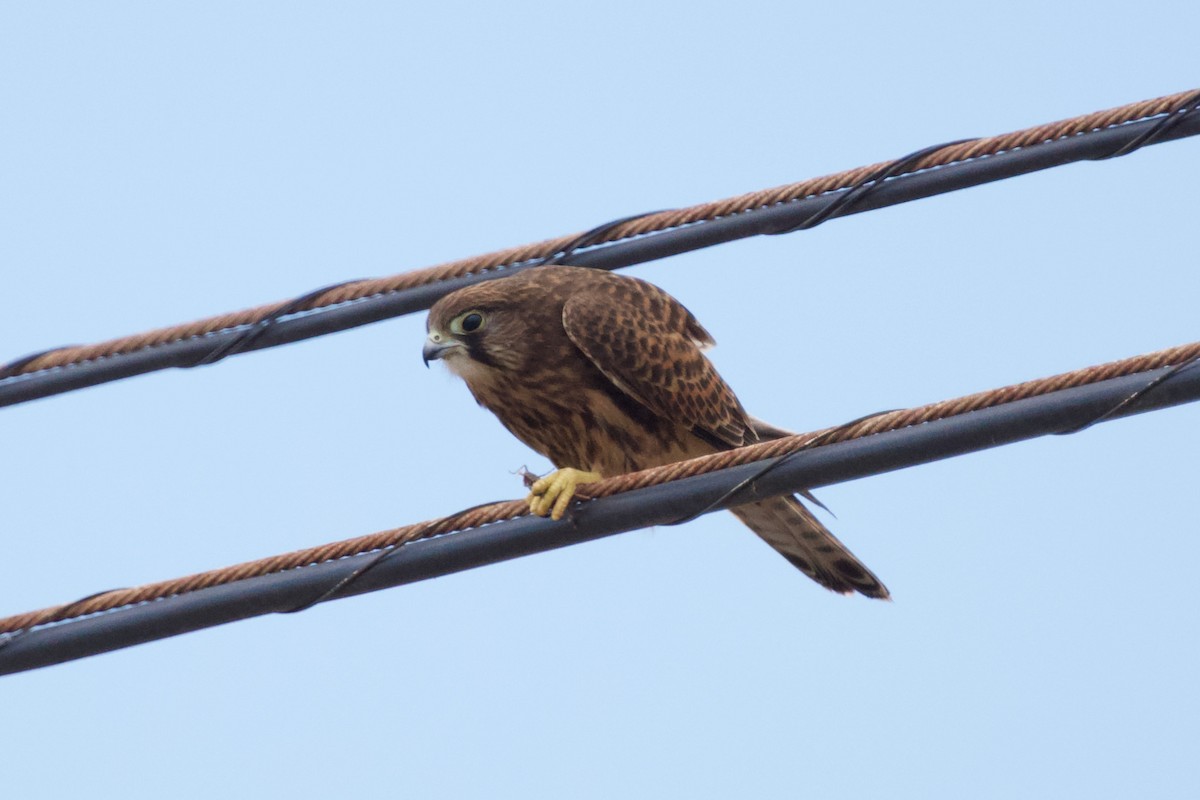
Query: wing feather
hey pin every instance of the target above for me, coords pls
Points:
(649, 346)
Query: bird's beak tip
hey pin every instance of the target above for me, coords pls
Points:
(435, 350)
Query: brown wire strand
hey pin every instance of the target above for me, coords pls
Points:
(61, 357)
(479, 516)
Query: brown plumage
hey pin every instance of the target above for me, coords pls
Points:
(604, 373)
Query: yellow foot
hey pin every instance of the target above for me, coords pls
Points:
(552, 494)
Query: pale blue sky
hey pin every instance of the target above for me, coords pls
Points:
(163, 162)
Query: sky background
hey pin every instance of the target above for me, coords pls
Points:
(165, 162)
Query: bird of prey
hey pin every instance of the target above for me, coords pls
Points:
(603, 374)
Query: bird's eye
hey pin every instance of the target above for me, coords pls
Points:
(467, 323)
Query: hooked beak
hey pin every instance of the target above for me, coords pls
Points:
(437, 346)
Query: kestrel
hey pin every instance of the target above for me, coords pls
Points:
(604, 374)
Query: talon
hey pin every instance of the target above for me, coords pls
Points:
(553, 493)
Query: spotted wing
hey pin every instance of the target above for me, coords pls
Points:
(649, 345)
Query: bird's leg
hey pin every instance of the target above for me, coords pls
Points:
(552, 494)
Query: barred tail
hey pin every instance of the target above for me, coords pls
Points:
(791, 529)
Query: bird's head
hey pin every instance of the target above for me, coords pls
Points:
(478, 326)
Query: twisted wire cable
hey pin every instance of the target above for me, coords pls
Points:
(1177, 358)
(1171, 111)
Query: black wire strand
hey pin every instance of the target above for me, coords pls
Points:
(332, 592)
(339, 585)
(856, 193)
(747, 483)
(13, 368)
(1133, 397)
(222, 350)
(589, 238)
(8, 638)
(1152, 135)
(244, 339)
(846, 200)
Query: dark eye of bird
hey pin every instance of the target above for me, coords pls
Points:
(471, 322)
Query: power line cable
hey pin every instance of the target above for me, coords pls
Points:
(489, 534)
(622, 243)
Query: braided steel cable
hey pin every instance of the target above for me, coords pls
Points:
(1100, 135)
(1173, 360)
